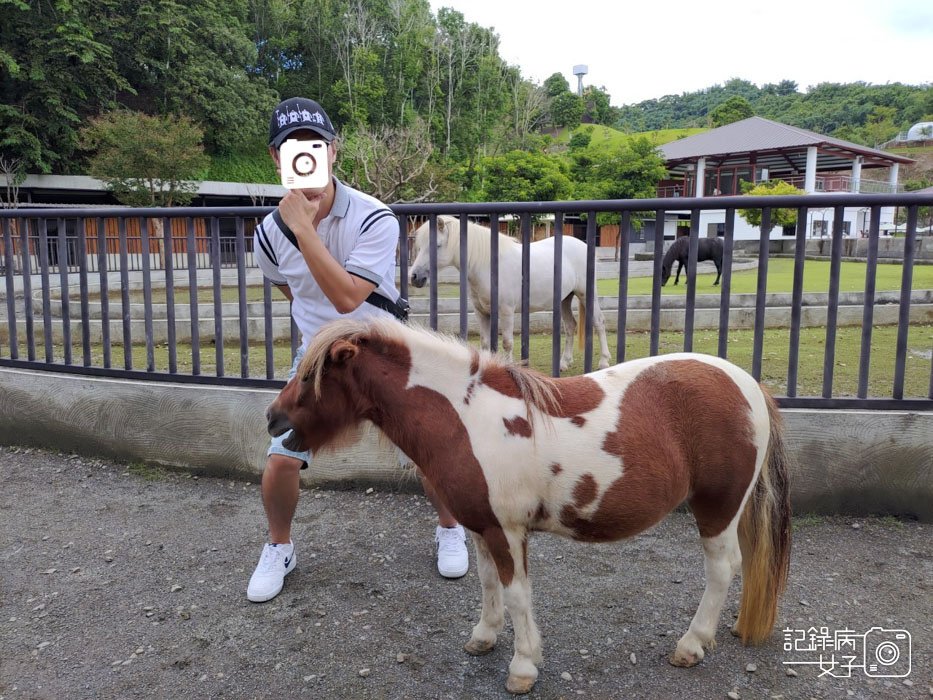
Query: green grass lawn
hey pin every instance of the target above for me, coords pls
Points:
(780, 279)
(775, 357)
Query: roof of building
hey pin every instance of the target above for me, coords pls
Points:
(776, 146)
(71, 189)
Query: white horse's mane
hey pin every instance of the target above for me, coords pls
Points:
(537, 390)
(479, 248)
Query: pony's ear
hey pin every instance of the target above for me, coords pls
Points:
(446, 222)
(342, 351)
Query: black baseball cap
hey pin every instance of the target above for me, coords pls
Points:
(298, 113)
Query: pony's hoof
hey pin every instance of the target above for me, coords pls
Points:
(519, 685)
(477, 647)
(735, 631)
(684, 659)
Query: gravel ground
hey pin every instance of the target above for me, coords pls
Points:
(120, 581)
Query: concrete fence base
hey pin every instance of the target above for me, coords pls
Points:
(856, 462)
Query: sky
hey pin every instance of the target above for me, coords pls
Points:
(641, 51)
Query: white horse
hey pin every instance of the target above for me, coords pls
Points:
(541, 287)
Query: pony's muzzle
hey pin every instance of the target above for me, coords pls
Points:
(277, 423)
(418, 280)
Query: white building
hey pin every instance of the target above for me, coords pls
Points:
(714, 163)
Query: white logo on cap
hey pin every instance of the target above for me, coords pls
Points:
(294, 117)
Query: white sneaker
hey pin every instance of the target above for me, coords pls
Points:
(452, 557)
(275, 563)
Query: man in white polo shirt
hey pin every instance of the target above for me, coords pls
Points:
(331, 251)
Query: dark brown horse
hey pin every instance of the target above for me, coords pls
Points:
(594, 458)
(708, 249)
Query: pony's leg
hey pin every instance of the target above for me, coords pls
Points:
(600, 322)
(718, 271)
(569, 324)
(507, 328)
(722, 559)
(482, 319)
(492, 617)
(523, 668)
(680, 266)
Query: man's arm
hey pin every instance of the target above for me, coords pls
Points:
(286, 291)
(344, 290)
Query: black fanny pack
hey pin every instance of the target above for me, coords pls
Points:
(398, 308)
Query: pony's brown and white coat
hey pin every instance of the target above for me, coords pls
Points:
(595, 458)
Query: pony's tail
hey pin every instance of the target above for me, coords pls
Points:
(764, 537)
(581, 325)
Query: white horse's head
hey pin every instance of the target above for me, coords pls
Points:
(448, 251)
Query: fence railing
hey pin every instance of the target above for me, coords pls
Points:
(182, 282)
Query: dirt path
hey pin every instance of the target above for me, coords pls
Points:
(123, 582)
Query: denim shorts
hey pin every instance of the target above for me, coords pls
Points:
(275, 445)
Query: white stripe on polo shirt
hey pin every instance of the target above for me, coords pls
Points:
(360, 232)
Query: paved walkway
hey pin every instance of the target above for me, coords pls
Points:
(126, 582)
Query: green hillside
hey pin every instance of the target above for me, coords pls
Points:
(607, 136)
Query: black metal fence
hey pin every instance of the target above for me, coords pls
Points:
(62, 271)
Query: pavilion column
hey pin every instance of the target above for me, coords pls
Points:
(701, 177)
(810, 179)
(857, 175)
(888, 214)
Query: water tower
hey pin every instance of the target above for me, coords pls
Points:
(579, 71)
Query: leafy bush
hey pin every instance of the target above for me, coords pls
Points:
(146, 160)
(779, 217)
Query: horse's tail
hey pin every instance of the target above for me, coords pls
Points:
(764, 536)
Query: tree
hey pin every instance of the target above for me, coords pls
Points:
(145, 160)
(732, 110)
(528, 108)
(56, 67)
(779, 217)
(359, 55)
(567, 110)
(519, 176)
(922, 181)
(598, 107)
(580, 139)
(195, 58)
(556, 85)
(14, 172)
(783, 88)
(629, 171)
(391, 163)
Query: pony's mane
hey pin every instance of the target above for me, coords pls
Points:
(536, 390)
(351, 330)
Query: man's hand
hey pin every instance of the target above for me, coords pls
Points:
(299, 212)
